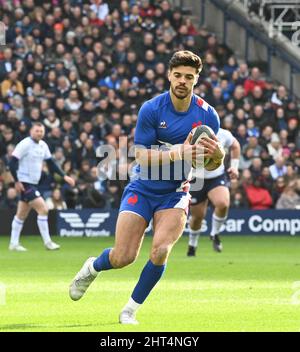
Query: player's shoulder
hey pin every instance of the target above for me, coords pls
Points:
(25, 141)
(203, 104)
(43, 144)
(156, 102)
(225, 133)
(226, 137)
(209, 114)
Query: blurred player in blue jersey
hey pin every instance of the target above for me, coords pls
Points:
(159, 188)
(26, 168)
(216, 191)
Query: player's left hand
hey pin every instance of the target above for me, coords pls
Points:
(212, 148)
(69, 180)
(233, 173)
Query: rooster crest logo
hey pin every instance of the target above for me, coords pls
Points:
(133, 199)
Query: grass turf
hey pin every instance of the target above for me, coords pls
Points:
(248, 287)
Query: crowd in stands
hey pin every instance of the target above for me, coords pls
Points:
(84, 67)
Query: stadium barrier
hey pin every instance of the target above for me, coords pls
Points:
(94, 222)
(30, 225)
(91, 222)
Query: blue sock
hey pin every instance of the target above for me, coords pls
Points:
(148, 279)
(102, 262)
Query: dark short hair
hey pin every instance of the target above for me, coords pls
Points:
(38, 124)
(186, 58)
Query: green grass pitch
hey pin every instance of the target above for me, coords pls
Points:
(251, 286)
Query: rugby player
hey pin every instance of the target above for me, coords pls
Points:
(26, 168)
(166, 120)
(216, 191)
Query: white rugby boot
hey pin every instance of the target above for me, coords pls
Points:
(17, 248)
(127, 317)
(52, 246)
(85, 276)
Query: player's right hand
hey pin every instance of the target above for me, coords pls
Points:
(188, 152)
(233, 173)
(19, 187)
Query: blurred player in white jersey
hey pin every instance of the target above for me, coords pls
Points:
(216, 191)
(26, 168)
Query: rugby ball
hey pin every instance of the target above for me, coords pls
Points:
(197, 134)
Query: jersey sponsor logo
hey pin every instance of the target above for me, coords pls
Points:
(132, 200)
(196, 124)
(162, 124)
(75, 221)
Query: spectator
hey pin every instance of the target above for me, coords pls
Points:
(278, 168)
(73, 103)
(11, 85)
(290, 197)
(56, 201)
(100, 8)
(274, 147)
(280, 97)
(7, 137)
(257, 195)
(6, 65)
(253, 144)
(253, 81)
(238, 199)
(51, 121)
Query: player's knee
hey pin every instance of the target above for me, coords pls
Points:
(43, 212)
(21, 216)
(160, 253)
(222, 205)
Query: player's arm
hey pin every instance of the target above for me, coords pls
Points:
(13, 166)
(145, 137)
(19, 152)
(235, 153)
(54, 168)
(185, 151)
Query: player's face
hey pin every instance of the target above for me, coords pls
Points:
(182, 79)
(37, 133)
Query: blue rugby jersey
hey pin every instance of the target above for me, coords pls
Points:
(159, 124)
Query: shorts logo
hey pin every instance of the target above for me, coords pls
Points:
(37, 193)
(132, 200)
(193, 201)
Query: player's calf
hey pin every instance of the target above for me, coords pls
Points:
(193, 242)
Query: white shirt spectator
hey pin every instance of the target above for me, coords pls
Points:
(274, 148)
(101, 10)
(277, 171)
